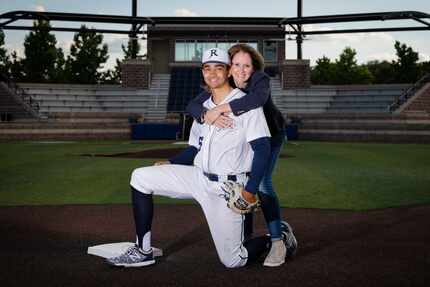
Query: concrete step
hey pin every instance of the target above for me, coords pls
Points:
(66, 134)
(371, 126)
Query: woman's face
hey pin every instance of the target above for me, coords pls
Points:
(241, 68)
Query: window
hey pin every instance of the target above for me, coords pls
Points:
(192, 51)
(179, 51)
(270, 51)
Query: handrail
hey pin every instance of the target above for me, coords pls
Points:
(405, 96)
(20, 95)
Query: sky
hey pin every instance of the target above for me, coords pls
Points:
(370, 46)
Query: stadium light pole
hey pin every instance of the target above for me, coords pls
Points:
(299, 37)
(133, 34)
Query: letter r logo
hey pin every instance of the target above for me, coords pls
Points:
(213, 53)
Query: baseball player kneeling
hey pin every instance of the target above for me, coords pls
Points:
(221, 169)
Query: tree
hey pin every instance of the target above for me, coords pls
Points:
(4, 58)
(87, 55)
(133, 48)
(42, 58)
(405, 67)
(59, 75)
(114, 76)
(347, 70)
(344, 71)
(324, 71)
(424, 68)
(110, 77)
(16, 68)
(383, 72)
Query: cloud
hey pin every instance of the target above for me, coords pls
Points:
(183, 12)
(369, 46)
(382, 56)
(39, 8)
(114, 42)
(424, 57)
(19, 49)
(65, 45)
(354, 38)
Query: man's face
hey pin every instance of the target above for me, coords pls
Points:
(215, 75)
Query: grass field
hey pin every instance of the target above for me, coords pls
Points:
(355, 176)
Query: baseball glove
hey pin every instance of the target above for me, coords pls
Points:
(235, 201)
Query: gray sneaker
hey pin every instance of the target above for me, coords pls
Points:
(277, 253)
(132, 257)
(289, 239)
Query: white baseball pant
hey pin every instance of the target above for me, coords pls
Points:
(188, 182)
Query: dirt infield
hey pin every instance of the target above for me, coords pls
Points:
(46, 246)
(152, 153)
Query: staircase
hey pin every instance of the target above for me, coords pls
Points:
(156, 111)
(15, 103)
(415, 99)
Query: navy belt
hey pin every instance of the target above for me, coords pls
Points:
(215, 177)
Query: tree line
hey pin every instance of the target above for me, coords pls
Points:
(45, 63)
(345, 70)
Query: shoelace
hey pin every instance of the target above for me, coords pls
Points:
(132, 250)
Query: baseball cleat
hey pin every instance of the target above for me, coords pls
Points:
(277, 253)
(132, 257)
(289, 239)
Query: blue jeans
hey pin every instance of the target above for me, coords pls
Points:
(267, 195)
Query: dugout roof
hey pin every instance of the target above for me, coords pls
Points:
(6, 19)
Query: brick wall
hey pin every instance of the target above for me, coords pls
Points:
(295, 74)
(136, 73)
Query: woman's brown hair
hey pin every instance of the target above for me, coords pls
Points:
(256, 57)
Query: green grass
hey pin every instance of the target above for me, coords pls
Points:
(314, 175)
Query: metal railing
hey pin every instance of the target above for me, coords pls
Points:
(20, 95)
(403, 98)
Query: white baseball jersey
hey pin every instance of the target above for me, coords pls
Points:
(222, 152)
(226, 151)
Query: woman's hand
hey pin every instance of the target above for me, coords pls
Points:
(211, 116)
(218, 116)
(223, 122)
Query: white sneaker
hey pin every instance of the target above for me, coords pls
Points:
(132, 257)
(277, 253)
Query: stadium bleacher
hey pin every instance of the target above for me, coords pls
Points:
(325, 112)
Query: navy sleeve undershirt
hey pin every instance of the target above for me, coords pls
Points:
(185, 157)
(261, 148)
(195, 106)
